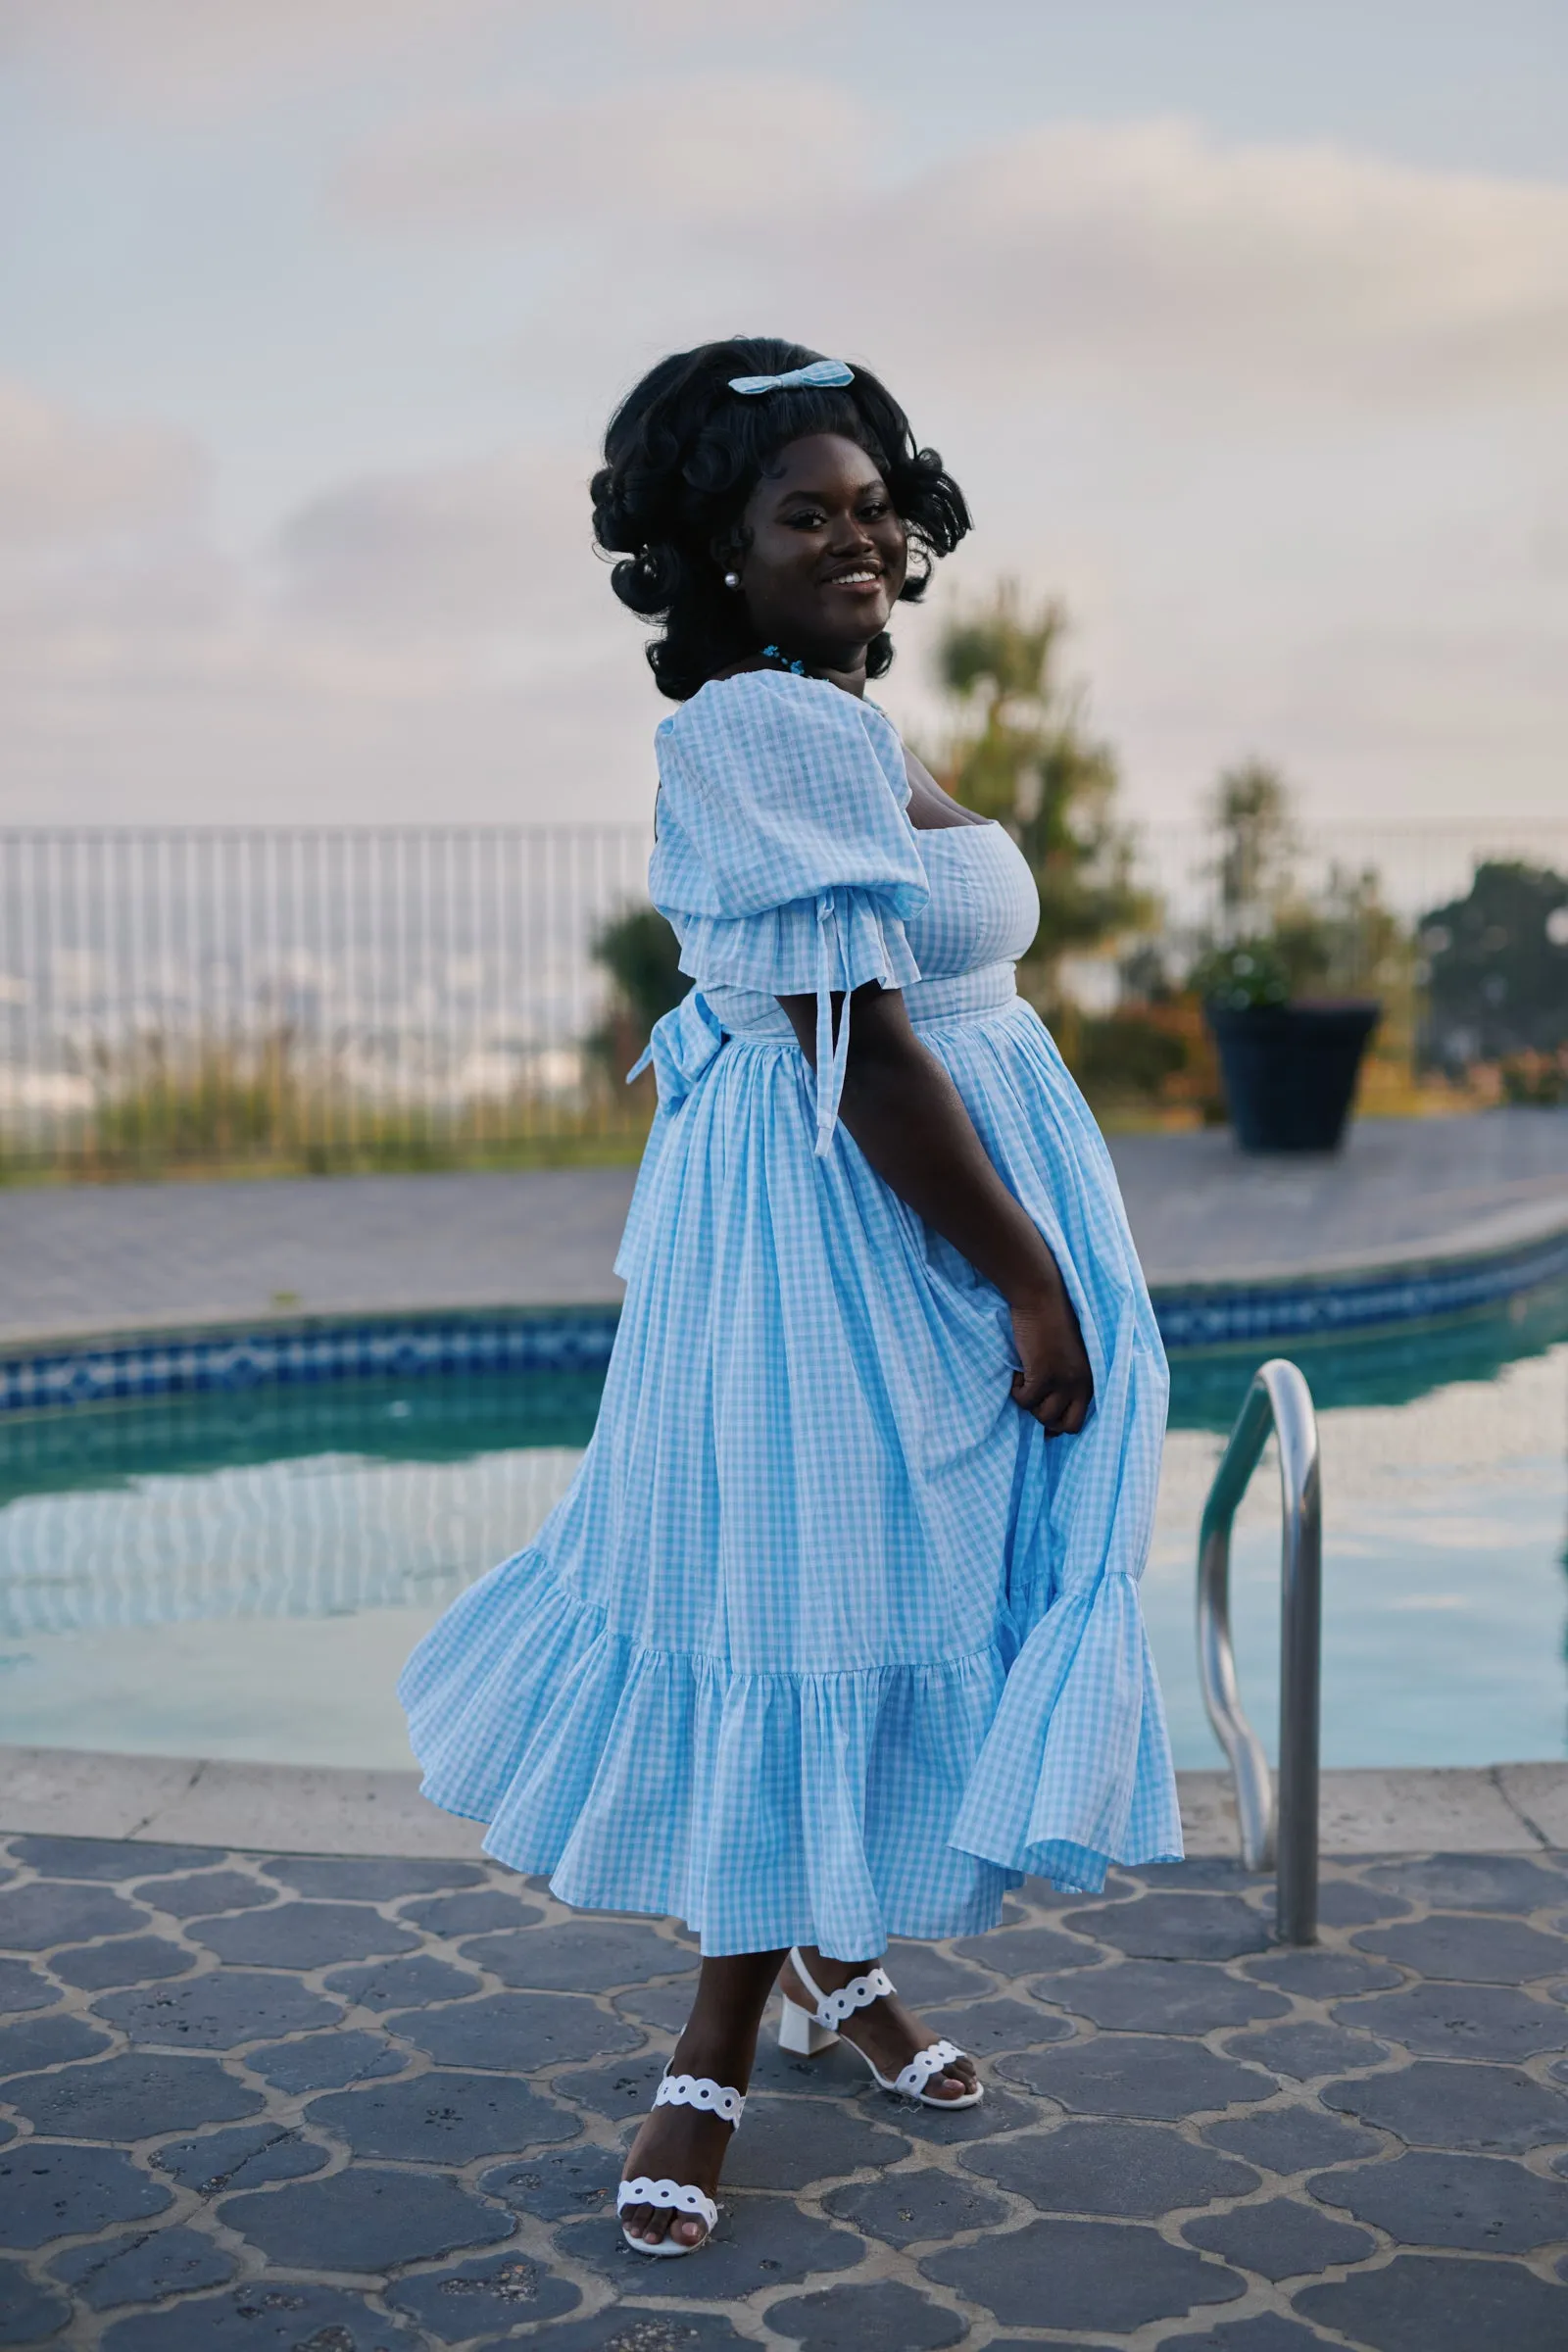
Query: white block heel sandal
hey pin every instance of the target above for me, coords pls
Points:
(803, 2032)
(678, 2196)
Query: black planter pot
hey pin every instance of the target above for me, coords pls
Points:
(1290, 1071)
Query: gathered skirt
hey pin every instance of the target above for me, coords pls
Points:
(828, 1642)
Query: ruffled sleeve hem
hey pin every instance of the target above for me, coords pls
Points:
(1075, 1774)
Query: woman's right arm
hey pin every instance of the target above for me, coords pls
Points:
(909, 1119)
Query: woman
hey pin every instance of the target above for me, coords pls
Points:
(837, 1633)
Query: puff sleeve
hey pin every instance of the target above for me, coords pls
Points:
(785, 861)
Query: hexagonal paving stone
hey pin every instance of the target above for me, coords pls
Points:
(1463, 2021)
(1471, 1882)
(139, 2269)
(1343, 1903)
(1180, 1996)
(128, 1960)
(1483, 2203)
(1282, 2239)
(441, 2118)
(28, 2314)
(624, 2090)
(1322, 1975)
(907, 2209)
(369, 2218)
(1432, 2105)
(1117, 2276)
(1429, 2303)
(1017, 1952)
(513, 2031)
(328, 2061)
(619, 2330)
(1137, 2074)
(265, 2315)
(924, 1973)
(981, 2028)
(888, 2317)
(205, 1894)
(561, 2184)
(1472, 1952)
(218, 2011)
(243, 2158)
(48, 2189)
(107, 1858)
(302, 1934)
(1266, 2332)
(669, 2006)
(581, 1956)
(131, 2098)
(1290, 2140)
(1177, 1927)
(22, 1987)
(40, 2041)
(503, 2290)
(788, 2142)
(374, 1879)
(474, 1914)
(35, 1918)
(410, 1983)
(1128, 2171)
(760, 2241)
(1305, 2049)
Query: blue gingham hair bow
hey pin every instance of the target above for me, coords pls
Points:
(820, 373)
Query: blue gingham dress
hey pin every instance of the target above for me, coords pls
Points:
(827, 1642)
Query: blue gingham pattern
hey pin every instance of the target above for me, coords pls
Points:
(827, 1642)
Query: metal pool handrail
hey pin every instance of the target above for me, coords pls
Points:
(1278, 1398)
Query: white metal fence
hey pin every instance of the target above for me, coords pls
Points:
(379, 996)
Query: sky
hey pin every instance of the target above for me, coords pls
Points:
(1242, 323)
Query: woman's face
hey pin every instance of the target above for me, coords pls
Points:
(825, 554)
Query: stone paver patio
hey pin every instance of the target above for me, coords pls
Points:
(313, 2104)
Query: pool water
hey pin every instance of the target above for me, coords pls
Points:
(243, 1575)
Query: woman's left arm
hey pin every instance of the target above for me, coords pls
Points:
(909, 1119)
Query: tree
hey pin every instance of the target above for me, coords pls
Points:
(1021, 755)
(1251, 816)
(1498, 966)
(640, 952)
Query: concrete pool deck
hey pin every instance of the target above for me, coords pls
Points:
(82, 1260)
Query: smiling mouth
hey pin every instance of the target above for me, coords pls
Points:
(855, 579)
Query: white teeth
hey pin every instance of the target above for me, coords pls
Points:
(854, 579)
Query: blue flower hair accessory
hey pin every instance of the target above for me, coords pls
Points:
(820, 373)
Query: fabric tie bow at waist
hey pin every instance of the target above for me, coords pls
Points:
(680, 1048)
(687, 1040)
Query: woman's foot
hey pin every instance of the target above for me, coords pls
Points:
(889, 2034)
(689, 2144)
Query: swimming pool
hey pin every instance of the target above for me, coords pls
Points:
(241, 1574)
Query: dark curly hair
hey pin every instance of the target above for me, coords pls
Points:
(684, 455)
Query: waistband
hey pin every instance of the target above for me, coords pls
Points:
(741, 1012)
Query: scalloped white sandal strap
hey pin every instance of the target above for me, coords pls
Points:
(832, 2008)
(676, 2196)
(701, 2090)
(934, 2059)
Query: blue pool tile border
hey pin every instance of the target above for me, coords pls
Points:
(103, 1371)
(1379, 1300)
(132, 1365)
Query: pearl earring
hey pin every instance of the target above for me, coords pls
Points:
(733, 579)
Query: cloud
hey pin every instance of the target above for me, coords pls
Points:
(716, 148)
(1150, 261)
(189, 56)
(66, 478)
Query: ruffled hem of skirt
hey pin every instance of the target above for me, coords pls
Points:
(768, 1809)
